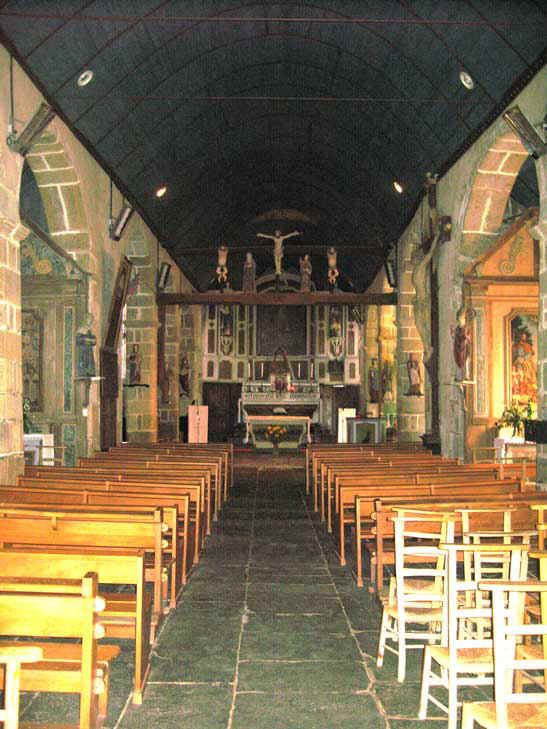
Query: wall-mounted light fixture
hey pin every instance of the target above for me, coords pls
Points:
(163, 275)
(117, 226)
(531, 140)
(23, 141)
(390, 266)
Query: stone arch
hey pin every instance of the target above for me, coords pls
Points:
(494, 178)
(60, 189)
(492, 182)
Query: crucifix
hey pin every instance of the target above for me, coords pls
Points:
(278, 239)
(424, 279)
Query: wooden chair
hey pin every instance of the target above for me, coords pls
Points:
(512, 708)
(482, 525)
(464, 657)
(416, 594)
(12, 657)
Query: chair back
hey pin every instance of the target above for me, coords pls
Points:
(469, 623)
(420, 566)
(509, 629)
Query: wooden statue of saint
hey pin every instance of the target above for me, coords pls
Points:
(305, 273)
(85, 341)
(249, 275)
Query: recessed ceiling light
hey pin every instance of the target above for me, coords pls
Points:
(397, 186)
(466, 80)
(85, 77)
(161, 192)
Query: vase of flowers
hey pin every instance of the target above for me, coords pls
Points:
(276, 433)
(514, 417)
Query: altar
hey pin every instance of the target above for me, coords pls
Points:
(297, 431)
(290, 400)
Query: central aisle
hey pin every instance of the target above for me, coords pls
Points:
(270, 633)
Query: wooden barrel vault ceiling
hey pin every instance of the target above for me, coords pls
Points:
(259, 116)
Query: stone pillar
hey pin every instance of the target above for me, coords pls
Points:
(142, 331)
(168, 394)
(11, 381)
(540, 231)
(411, 421)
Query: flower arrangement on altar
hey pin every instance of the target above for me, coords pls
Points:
(514, 416)
(276, 433)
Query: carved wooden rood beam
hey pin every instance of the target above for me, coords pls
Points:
(276, 298)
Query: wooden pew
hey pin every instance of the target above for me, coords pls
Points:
(153, 473)
(436, 486)
(174, 514)
(225, 451)
(361, 465)
(126, 615)
(157, 488)
(58, 528)
(315, 450)
(519, 503)
(321, 462)
(168, 465)
(33, 608)
(400, 474)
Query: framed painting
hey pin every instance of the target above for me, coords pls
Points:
(522, 344)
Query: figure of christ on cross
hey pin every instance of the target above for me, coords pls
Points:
(278, 239)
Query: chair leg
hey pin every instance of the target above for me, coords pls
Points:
(401, 663)
(424, 695)
(382, 640)
(452, 702)
(468, 722)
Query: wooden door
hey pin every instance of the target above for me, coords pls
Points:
(109, 359)
(109, 398)
(222, 399)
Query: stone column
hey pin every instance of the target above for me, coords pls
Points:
(142, 331)
(11, 380)
(540, 232)
(411, 421)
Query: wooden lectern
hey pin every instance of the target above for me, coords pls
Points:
(198, 423)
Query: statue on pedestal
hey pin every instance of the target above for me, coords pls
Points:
(134, 366)
(222, 268)
(85, 341)
(305, 273)
(414, 377)
(249, 275)
(333, 270)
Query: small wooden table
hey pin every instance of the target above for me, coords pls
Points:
(303, 421)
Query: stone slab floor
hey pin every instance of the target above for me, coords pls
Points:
(270, 633)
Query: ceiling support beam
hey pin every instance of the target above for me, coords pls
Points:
(277, 298)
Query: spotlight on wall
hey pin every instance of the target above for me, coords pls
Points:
(163, 276)
(23, 141)
(117, 226)
(531, 140)
(390, 266)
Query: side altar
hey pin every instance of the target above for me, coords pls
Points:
(279, 398)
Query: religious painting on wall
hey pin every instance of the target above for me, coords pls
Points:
(522, 336)
(31, 331)
(281, 327)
